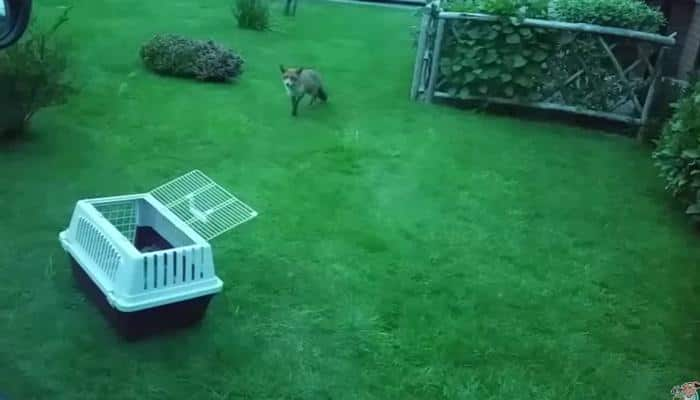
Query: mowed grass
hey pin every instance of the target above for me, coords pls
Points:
(403, 251)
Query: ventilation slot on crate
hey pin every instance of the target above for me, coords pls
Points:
(99, 249)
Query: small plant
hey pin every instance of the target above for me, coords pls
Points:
(252, 14)
(32, 77)
(678, 152)
(178, 56)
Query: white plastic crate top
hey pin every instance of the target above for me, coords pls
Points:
(186, 213)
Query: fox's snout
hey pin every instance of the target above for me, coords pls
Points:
(288, 85)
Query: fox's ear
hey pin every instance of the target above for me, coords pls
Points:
(300, 69)
(281, 68)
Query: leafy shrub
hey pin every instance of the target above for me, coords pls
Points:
(252, 14)
(678, 152)
(175, 55)
(32, 77)
(629, 14)
(599, 87)
(523, 8)
(502, 59)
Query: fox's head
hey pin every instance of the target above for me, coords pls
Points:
(290, 76)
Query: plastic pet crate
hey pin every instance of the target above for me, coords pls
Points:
(145, 259)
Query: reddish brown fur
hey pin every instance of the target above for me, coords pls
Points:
(302, 81)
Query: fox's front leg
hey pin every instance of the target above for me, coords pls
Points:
(294, 106)
(313, 100)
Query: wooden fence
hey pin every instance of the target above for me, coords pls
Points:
(633, 59)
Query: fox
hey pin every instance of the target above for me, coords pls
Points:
(302, 81)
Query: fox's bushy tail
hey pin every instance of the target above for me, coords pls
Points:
(322, 94)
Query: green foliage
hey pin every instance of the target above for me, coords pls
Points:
(501, 59)
(508, 60)
(523, 8)
(182, 57)
(252, 14)
(629, 14)
(598, 87)
(32, 77)
(678, 152)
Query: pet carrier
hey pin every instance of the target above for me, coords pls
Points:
(145, 258)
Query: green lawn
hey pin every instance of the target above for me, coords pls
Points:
(403, 251)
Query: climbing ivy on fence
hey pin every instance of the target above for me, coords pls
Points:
(508, 60)
(502, 59)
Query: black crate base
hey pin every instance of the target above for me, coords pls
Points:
(146, 323)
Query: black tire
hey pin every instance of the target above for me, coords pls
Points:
(16, 20)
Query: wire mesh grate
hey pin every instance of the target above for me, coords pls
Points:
(202, 204)
(122, 215)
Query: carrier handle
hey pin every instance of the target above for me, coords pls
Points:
(202, 216)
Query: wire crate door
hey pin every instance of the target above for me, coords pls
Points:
(209, 209)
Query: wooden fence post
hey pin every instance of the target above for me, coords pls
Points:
(420, 53)
(435, 62)
(651, 93)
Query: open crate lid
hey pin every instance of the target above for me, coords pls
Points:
(209, 209)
